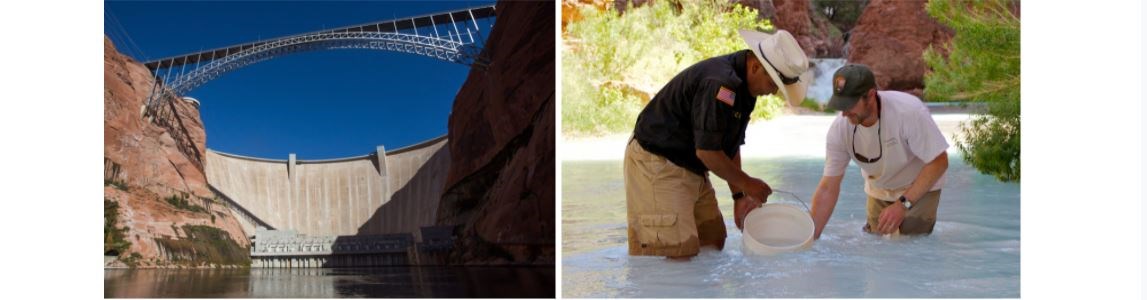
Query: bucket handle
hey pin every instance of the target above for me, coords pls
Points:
(797, 197)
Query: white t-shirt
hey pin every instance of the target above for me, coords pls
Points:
(911, 139)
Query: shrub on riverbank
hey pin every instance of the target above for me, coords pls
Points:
(115, 243)
(983, 65)
(203, 245)
(613, 63)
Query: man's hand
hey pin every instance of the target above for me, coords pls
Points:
(730, 170)
(890, 218)
(742, 207)
(757, 188)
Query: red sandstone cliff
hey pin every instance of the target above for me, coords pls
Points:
(145, 163)
(500, 188)
(891, 37)
(813, 31)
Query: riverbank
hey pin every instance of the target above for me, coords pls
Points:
(784, 136)
(114, 263)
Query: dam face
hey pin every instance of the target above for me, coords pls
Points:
(378, 193)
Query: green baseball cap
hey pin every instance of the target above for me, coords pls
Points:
(849, 83)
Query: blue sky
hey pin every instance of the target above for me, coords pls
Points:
(322, 104)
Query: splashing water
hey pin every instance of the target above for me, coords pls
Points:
(974, 250)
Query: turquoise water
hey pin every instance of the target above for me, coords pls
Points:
(973, 252)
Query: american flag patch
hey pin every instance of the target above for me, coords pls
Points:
(726, 96)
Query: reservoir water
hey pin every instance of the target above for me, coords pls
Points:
(390, 282)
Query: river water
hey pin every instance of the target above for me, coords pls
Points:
(973, 252)
(820, 89)
(390, 282)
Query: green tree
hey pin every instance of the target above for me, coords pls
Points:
(983, 65)
(115, 242)
(613, 62)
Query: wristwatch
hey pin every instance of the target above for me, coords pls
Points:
(738, 195)
(904, 200)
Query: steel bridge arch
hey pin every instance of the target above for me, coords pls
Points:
(456, 46)
(438, 48)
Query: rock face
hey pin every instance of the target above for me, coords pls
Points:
(813, 31)
(500, 187)
(148, 163)
(891, 37)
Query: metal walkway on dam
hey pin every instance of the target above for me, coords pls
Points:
(288, 249)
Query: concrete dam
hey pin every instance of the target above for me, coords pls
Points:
(381, 194)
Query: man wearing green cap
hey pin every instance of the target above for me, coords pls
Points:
(900, 151)
(696, 124)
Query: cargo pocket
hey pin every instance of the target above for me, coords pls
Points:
(658, 230)
(658, 220)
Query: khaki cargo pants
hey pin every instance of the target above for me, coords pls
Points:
(671, 211)
(918, 220)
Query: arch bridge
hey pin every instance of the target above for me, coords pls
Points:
(453, 36)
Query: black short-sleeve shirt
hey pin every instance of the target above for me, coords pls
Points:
(693, 111)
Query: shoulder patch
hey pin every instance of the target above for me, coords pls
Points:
(725, 95)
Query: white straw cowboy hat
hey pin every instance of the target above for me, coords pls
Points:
(784, 60)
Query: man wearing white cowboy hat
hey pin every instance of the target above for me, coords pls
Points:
(695, 124)
(900, 151)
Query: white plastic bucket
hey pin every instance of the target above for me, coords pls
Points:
(777, 228)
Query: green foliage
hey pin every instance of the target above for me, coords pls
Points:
(117, 184)
(114, 241)
(613, 62)
(203, 245)
(180, 202)
(992, 145)
(768, 107)
(811, 104)
(982, 64)
(132, 260)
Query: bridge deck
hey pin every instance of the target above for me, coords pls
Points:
(459, 16)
